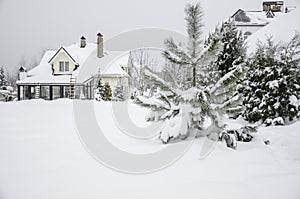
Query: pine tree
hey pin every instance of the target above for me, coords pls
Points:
(99, 90)
(191, 55)
(119, 94)
(185, 109)
(107, 92)
(227, 44)
(233, 50)
(3, 81)
(271, 88)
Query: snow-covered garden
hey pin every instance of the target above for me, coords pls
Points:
(240, 101)
(42, 157)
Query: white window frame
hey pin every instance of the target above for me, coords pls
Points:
(64, 66)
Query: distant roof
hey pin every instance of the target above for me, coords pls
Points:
(281, 29)
(99, 34)
(273, 2)
(256, 18)
(82, 37)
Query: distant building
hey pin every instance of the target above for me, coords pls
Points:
(275, 6)
(251, 21)
(73, 72)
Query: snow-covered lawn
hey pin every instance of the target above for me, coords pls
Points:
(41, 157)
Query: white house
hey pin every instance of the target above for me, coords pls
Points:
(73, 72)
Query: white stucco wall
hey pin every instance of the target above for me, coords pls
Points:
(62, 56)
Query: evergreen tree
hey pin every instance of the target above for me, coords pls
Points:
(3, 81)
(107, 92)
(119, 94)
(99, 90)
(191, 55)
(185, 109)
(233, 50)
(227, 44)
(272, 86)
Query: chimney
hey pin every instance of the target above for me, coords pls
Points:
(22, 73)
(100, 45)
(82, 42)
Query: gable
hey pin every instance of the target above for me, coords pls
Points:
(270, 14)
(240, 16)
(61, 50)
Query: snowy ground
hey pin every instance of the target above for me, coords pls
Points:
(41, 157)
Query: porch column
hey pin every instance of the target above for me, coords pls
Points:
(19, 92)
(40, 92)
(29, 92)
(61, 91)
(50, 92)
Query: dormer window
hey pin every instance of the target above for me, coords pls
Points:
(63, 66)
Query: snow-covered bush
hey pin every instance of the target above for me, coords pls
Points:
(271, 88)
(3, 80)
(119, 94)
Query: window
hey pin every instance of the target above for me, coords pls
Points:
(63, 66)
(247, 34)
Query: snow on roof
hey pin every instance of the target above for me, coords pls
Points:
(81, 54)
(282, 29)
(255, 17)
(110, 65)
(89, 64)
(274, 2)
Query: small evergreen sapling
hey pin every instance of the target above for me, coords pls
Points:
(99, 90)
(107, 92)
(187, 108)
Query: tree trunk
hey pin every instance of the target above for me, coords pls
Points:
(194, 75)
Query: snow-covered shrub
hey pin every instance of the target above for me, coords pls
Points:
(119, 94)
(271, 88)
(3, 80)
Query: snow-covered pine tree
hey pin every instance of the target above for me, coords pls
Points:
(232, 51)
(99, 94)
(3, 81)
(119, 94)
(107, 92)
(187, 109)
(272, 85)
(192, 54)
(228, 45)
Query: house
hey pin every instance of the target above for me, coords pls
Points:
(251, 21)
(275, 6)
(73, 72)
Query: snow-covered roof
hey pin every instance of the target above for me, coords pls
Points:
(281, 29)
(274, 2)
(89, 64)
(110, 65)
(253, 18)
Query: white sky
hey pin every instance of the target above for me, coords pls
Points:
(29, 26)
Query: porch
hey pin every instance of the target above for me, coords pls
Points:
(55, 91)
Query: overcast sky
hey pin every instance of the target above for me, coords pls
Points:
(27, 27)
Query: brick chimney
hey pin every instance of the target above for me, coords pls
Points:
(100, 45)
(82, 42)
